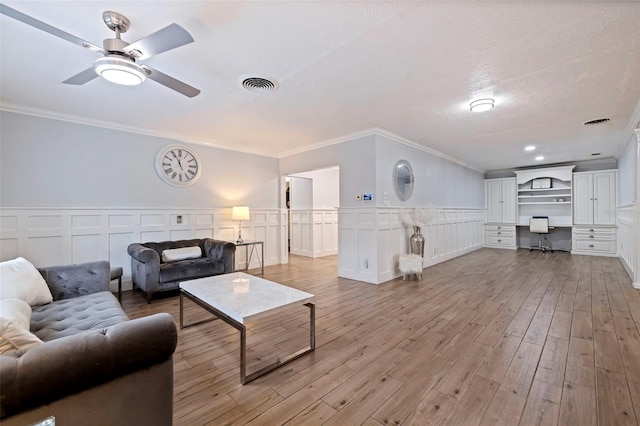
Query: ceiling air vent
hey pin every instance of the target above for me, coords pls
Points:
(259, 84)
(596, 121)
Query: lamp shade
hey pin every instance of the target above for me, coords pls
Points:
(240, 213)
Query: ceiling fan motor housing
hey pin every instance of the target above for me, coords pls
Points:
(114, 44)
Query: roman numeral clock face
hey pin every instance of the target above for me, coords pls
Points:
(178, 165)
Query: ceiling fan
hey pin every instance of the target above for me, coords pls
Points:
(119, 63)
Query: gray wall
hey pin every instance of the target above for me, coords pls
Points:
(356, 159)
(366, 166)
(50, 163)
(438, 182)
(627, 169)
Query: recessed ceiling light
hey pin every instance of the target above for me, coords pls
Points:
(481, 105)
(530, 148)
(540, 158)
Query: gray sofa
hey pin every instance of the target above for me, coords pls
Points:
(95, 366)
(152, 275)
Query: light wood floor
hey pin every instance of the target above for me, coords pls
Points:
(493, 337)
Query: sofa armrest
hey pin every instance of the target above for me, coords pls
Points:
(223, 251)
(52, 370)
(70, 281)
(143, 254)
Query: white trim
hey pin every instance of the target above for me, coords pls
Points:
(69, 118)
(376, 131)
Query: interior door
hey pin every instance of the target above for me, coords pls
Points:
(509, 198)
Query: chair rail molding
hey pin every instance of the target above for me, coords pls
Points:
(371, 239)
(58, 236)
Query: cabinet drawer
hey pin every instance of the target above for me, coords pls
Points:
(500, 228)
(595, 246)
(595, 237)
(500, 240)
(593, 230)
(501, 233)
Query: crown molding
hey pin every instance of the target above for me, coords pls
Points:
(376, 131)
(41, 113)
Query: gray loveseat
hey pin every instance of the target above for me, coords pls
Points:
(152, 275)
(95, 366)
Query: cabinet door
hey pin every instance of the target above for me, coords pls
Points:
(583, 199)
(509, 198)
(494, 201)
(604, 198)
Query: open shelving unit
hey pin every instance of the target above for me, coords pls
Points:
(555, 202)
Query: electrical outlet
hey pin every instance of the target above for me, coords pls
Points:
(179, 219)
(385, 195)
(366, 264)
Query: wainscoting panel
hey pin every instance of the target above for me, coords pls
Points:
(628, 222)
(382, 237)
(62, 236)
(314, 233)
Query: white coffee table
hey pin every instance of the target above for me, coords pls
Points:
(238, 298)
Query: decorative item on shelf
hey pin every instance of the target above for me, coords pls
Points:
(561, 200)
(240, 213)
(541, 183)
(417, 218)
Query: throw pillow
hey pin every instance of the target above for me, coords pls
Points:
(16, 310)
(14, 337)
(173, 255)
(21, 280)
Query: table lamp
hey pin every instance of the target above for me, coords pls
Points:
(240, 213)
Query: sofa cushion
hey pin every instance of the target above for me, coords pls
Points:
(189, 269)
(174, 255)
(21, 280)
(71, 316)
(16, 310)
(14, 337)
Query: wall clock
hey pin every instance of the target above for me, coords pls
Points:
(178, 165)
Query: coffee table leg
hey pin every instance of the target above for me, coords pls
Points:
(244, 378)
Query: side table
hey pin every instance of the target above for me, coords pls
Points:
(249, 254)
(116, 273)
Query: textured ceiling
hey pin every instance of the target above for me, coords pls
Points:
(344, 67)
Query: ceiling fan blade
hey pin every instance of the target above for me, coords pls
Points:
(82, 78)
(170, 82)
(19, 16)
(162, 40)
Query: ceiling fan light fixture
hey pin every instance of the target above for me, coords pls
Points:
(119, 70)
(482, 105)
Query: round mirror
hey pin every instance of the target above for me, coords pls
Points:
(403, 180)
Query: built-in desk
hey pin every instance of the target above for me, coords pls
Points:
(559, 237)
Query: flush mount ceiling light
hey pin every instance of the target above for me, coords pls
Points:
(481, 105)
(540, 158)
(530, 148)
(119, 70)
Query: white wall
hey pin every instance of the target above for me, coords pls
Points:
(50, 163)
(326, 187)
(300, 193)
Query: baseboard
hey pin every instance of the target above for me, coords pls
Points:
(627, 268)
(581, 253)
(636, 284)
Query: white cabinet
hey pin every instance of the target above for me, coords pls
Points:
(594, 201)
(594, 240)
(594, 213)
(500, 236)
(501, 200)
